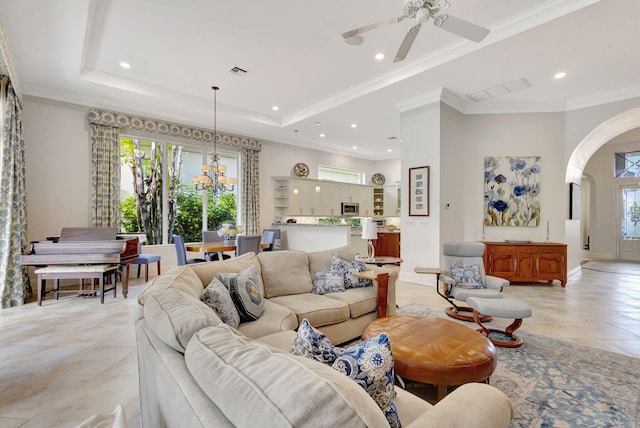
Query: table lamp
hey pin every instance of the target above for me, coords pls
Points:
(369, 232)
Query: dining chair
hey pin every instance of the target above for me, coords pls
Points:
(212, 236)
(274, 242)
(146, 260)
(247, 243)
(181, 252)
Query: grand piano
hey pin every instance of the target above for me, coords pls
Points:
(85, 246)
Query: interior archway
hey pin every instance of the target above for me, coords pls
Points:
(600, 136)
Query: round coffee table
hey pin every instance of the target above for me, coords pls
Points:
(436, 351)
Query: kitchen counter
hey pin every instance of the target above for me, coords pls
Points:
(313, 237)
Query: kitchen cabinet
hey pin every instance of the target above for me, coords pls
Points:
(319, 198)
(387, 244)
(526, 261)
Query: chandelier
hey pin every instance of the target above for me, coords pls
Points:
(213, 174)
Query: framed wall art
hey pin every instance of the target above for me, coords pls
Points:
(419, 191)
(574, 201)
(512, 191)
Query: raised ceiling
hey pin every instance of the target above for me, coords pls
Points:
(295, 58)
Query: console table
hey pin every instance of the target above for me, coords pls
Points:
(526, 261)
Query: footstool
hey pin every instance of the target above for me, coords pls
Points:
(436, 351)
(500, 308)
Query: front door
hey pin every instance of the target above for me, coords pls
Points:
(629, 217)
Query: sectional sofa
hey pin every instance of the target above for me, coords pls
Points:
(196, 371)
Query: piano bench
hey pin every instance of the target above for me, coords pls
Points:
(58, 272)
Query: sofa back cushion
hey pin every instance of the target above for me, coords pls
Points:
(207, 271)
(175, 317)
(181, 278)
(321, 261)
(253, 383)
(285, 273)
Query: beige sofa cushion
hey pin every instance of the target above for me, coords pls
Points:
(207, 271)
(285, 273)
(175, 316)
(318, 309)
(254, 383)
(274, 318)
(181, 278)
(321, 261)
(361, 300)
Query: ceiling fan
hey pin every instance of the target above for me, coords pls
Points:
(421, 11)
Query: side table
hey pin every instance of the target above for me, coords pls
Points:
(382, 278)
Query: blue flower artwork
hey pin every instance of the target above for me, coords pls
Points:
(512, 191)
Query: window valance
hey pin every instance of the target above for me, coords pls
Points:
(123, 120)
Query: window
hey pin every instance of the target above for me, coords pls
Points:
(341, 175)
(158, 197)
(627, 164)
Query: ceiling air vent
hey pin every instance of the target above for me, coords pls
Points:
(238, 71)
(499, 90)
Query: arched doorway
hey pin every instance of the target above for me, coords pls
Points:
(600, 135)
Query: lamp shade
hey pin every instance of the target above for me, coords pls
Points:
(369, 230)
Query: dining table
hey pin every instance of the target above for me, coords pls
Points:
(215, 247)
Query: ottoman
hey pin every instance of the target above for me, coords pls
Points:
(500, 308)
(436, 351)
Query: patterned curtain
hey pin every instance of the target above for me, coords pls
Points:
(14, 280)
(251, 192)
(105, 176)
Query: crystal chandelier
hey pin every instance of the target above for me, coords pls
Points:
(214, 175)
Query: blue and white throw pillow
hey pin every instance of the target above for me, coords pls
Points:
(246, 290)
(217, 297)
(313, 344)
(327, 282)
(370, 365)
(346, 269)
(467, 276)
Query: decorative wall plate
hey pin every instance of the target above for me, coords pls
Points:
(378, 179)
(301, 170)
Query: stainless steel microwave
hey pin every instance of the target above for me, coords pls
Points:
(350, 208)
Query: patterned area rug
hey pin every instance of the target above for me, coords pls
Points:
(553, 383)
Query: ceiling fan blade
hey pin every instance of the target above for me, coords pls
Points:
(461, 27)
(407, 42)
(357, 31)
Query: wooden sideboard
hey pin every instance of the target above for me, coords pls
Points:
(387, 244)
(526, 262)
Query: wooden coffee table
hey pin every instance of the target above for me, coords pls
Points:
(436, 351)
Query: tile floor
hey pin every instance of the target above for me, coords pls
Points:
(71, 358)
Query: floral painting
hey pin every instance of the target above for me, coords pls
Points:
(512, 191)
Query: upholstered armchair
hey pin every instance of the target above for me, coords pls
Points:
(464, 276)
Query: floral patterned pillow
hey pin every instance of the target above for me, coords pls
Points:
(313, 344)
(327, 282)
(217, 297)
(370, 365)
(467, 276)
(346, 269)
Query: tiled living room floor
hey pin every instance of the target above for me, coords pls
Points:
(69, 359)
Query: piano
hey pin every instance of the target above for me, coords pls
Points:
(83, 246)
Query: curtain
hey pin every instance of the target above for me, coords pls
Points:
(105, 176)
(251, 192)
(14, 280)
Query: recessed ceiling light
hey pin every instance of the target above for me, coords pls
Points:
(389, 150)
(559, 75)
(125, 65)
(354, 147)
(322, 135)
(317, 123)
(354, 125)
(380, 56)
(275, 108)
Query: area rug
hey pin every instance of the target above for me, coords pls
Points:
(612, 266)
(554, 383)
